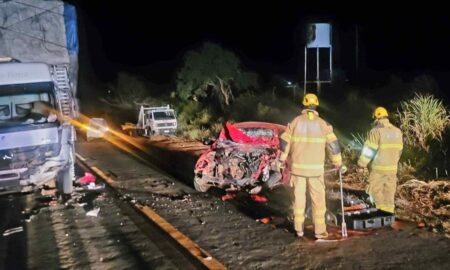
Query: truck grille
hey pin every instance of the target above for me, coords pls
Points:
(165, 124)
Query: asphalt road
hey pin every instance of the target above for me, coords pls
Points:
(229, 231)
(59, 235)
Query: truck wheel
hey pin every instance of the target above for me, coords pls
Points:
(65, 180)
(200, 185)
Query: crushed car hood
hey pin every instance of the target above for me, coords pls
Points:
(232, 133)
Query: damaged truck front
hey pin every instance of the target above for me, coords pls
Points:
(36, 141)
(38, 75)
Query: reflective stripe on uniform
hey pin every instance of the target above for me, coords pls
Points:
(307, 166)
(374, 146)
(386, 207)
(336, 158)
(364, 160)
(285, 136)
(391, 146)
(331, 137)
(319, 221)
(319, 216)
(299, 214)
(384, 168)
(307, 139)
(319, 212)
(368, 152)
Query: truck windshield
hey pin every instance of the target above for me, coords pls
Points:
(165, 115)
(26, 105)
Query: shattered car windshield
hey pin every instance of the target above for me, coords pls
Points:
(26, 108)
(166, 115)
(258, 132)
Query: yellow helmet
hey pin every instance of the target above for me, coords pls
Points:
(310, 100)
(380, 112)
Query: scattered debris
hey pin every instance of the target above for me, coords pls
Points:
(201, 221)
(50, 185)
(228, 196)
(93, 186)
(259, 198)
(13, 231)
(93, 213)
(265, 220)
(427, 203)
(49, 192)
(87, 179)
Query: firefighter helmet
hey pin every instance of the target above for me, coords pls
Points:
(310, 100)
(380, 112)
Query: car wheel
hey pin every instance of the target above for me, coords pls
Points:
(200, 185)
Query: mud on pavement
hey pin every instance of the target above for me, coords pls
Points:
(241, 242)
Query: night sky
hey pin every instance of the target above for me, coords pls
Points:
(268, 37)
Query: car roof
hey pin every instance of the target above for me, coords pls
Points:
(255, 124)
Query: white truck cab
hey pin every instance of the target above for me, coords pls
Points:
(156, 121)
(36, 137)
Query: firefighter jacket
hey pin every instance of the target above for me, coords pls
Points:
(305, 143)
(382, 148)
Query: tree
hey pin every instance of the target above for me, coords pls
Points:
(212, 71)
(129, 92)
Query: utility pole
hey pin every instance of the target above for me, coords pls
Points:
(356, 50)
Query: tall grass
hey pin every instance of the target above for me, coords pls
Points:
(423, 119)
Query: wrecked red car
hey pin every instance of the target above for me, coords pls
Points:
(242, 158)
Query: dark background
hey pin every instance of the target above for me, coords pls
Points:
(150, 39)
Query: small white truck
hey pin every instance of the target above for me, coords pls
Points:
(153, 121)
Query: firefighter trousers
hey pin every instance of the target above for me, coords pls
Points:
(382, 189)
(316, 190)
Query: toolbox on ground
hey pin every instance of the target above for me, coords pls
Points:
(369, 219)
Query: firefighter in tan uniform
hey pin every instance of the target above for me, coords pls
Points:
(382, 150)
(304, 144)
